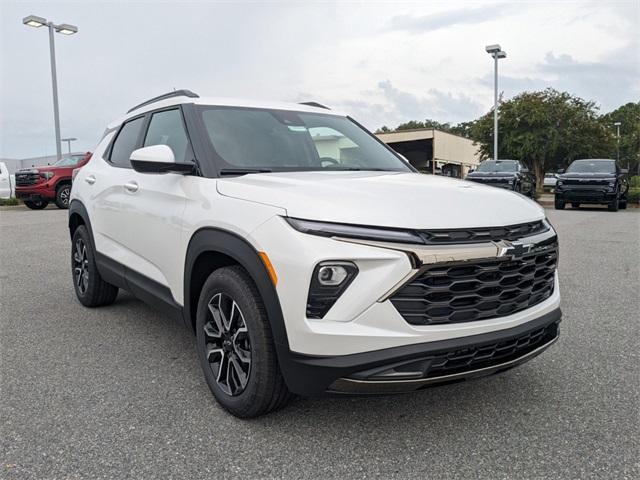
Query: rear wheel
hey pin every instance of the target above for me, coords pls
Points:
(623, 204)
(614, 204)
(559, 204)
(62, 196)
(91, 289)
(235, 345)
(36, 205)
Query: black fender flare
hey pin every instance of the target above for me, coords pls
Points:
(216, 240)
(76, 207)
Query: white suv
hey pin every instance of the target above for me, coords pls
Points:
(306, 255)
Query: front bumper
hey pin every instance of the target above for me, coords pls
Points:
(585, 195)
(413, 367)
(35, 193)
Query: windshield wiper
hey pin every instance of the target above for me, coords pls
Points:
(242, 171)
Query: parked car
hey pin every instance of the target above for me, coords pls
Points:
(549, 181)
(593, 181)
(281, 235)
(6, 183)
(52, 183)
(508, 174)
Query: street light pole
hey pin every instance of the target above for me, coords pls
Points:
(497, 53)
(617, 125)
(69, 140)
(54, 83)
(65, 29)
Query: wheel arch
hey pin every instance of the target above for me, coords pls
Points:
(78, 215)
(212, 248)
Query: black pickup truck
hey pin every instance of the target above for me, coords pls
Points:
(509, 174)
(594, 181)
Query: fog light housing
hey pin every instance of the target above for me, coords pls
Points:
(328, 282)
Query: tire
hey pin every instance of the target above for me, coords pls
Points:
(91, 289)
(575, 205)
(239, 360)
(623, 205)
(39, 205)
(559, 204)
(614, 204)
(62, 196)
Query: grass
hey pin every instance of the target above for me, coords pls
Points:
(9, 201)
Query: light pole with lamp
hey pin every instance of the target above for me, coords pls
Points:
(68, 140)
(617, 125)
(65, 29)
(497, 53)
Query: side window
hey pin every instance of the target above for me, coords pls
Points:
(167, 128)
(126, 142)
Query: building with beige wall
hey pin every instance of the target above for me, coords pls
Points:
(433, 151)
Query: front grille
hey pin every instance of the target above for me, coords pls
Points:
(473, 358)
(477, 290)
(587, 182)
(487, 234)
(24, 179)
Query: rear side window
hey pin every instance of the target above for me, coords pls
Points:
(167, 128)
(126, 142)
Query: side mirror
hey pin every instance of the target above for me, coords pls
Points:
(157, 159)
(560, 171)
(624, 171)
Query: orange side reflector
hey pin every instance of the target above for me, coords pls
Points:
(269, 267)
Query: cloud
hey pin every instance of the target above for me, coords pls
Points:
(450, 18)
(611, 81)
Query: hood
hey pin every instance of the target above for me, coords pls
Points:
(389, 199)
(42, 169)
(491, 174)
(566, 176)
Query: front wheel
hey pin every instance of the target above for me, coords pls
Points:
(62, 196)
(235, 345)
(559, 204)
(614, 204)
(36, 205)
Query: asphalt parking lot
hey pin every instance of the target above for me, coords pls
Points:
(117, 392)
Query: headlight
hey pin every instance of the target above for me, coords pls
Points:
(328, 281)
(328, 229)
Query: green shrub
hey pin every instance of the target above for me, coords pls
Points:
(634, 181)
(9, 201)
(634, 195)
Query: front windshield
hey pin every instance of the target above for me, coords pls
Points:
(68, 161)
(247, 139)
(592, 166)
(494, 166)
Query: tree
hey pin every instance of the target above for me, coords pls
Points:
(463, 129)
(629, 116)
(546, 130)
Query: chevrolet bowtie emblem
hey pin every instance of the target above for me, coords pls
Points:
(515, 250)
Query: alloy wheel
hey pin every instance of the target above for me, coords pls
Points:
(81, 266)
(64, 196)
(227, 345)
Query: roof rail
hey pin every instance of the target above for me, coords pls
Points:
(175, 93)
(314, 104)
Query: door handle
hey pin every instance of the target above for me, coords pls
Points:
(90, 179)
(131, 187)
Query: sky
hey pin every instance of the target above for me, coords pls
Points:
(382, 62)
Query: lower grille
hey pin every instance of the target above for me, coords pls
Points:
(471, 291)
(466, 359)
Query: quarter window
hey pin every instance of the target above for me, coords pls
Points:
(126, 142)
(167, 128)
